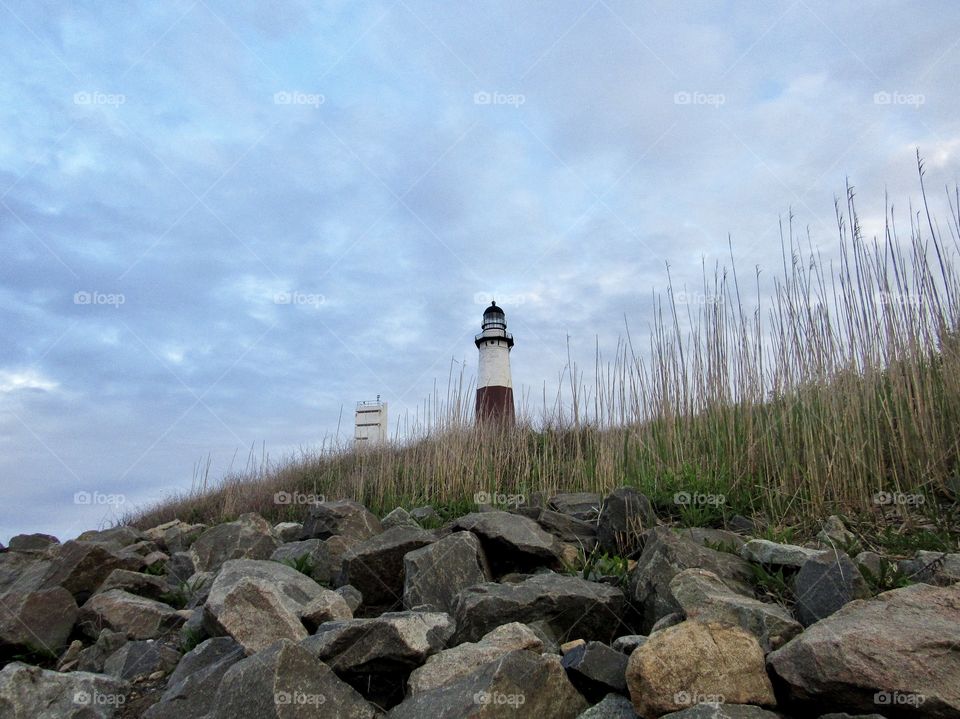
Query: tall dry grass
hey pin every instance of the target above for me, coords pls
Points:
(839, 382)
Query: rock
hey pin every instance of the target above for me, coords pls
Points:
(723, 711)
(628, 643)
(249, 537)
(834, 534)
(140, 659)
(703, 596)
(31, 542)
(824, 584)
(579, 505)
(81, 567)
(665, 554)
(375, 565)
(625, 516)
(435, 573)
(720, 539)
(452, 664)
(424, 514)
(144, 585)
(256, 615)
(28, 692)
(566, 604)
(284, 681)
(596, 670)
(351, 595)
(613, 706)
(739, 523)
(399, 517)
(377, 655)
(156, 561)
(180, 567)
(670, 620)
(37, 622)
(323, 566)
(937, 568)
(327, 607)
(192, 687)
(904, 643)
(695, 662)
(181, 536)
(511, 542)
(116, 537)
(568, 647)
(70, 658)
(346, 518)
(869, 561)
(93, 657)
(288, 531)
(137, 617)
(521, 683)
(546, 634)
(844, 715)
(569, 529)
(763, 551)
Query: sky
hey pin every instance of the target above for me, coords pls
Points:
(224, 223)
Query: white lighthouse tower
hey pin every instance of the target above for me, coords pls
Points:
(494, 386)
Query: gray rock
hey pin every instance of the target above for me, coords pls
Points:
(434, 574)
(511, 542)
(28, 692)
(180, 567)
(572, 607)
(327, 607)
(343, 517)
(625, 516)
(120, 611)
(288, 531)
(249, 537)
(144, 585)
(720, 539)
(449, 665)
(37, 622)
(579, 505)
(937, 568)
(546, 634)
(739, 523)
(628, 643)
(665, 554)
(834, 534)
(774, 554)
(141, 659)
(324, 566)
(904, 643)
(31, 542)
(256, 614)
(613, 706)
(399, 517)
(284, 681)
(869, 561)
(375, 565)
(521, 683)
(703, 596)
(93, 657)
(668, 620)
(569, 529)
(424, 514)
(723, 711)
(824, 584)
(192, 687)
(351, 596)
(116, 537)
(81, 567)
(596, 670)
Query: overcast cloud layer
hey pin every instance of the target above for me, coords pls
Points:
(221, 222)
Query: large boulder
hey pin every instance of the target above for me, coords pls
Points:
(938, 568)
(825, 583)
(572, 607)
(579, 505)
(81, 567)
(763, 551)
(92, 658)
(294, 589)
(449, 665)
(613, 706)
(520, 683)
(144, 585)
(713, 710)
(903, 645)
(37, 622)
(192, 687)
(375, 565)
(511, 542)
(32, 542)
(596, 670)
(435, 574)
(285, 681)
(399, 517)
(666, 554)
(120, 611)
(703, 596)
(116, 537)
(694, 662)
(255, 614)
(569, 529)
(624, 517)
(327, 607)
(28, 692)
(323, 567)
(175, 535)
(139, 659)
(344, 517)
(249, 537)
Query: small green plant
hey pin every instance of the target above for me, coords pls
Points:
(303, 564)
(597, 566)
(774, 585)
(179, 598)
(888, 576)
(190, 638)
(725, 547)
(157, 569)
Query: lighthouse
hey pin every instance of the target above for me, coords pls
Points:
(494, 386)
